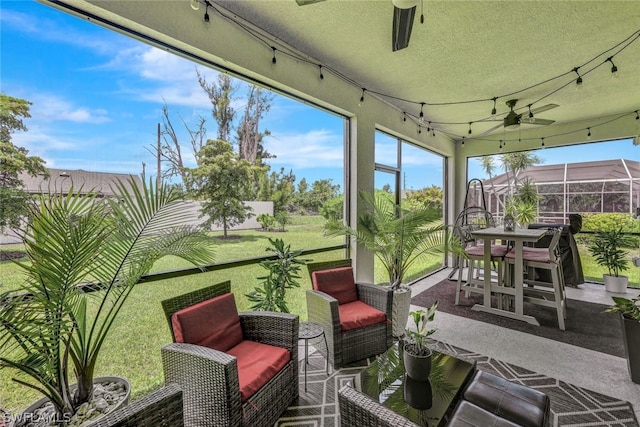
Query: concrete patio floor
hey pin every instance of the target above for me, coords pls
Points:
(585, 368)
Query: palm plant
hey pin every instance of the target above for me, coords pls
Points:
(85, 256)
(397, 237)
(606, 247)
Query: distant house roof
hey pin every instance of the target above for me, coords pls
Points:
(61, 180)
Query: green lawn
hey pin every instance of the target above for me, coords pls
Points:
(133, 347)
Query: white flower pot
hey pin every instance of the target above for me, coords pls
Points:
(616, 284)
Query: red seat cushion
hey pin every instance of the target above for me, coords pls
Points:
(357, 314)
(478, 250)
(533, 254)
(337, 282)
(213, 323)
(257, 364)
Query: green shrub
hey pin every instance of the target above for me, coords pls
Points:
(266, 221)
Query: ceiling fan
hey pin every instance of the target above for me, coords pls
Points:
(513, 120)
(404, 12)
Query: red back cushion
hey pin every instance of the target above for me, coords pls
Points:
(337, 282)
(213, 323)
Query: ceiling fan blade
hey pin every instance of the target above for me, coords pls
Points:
(490, 130)
(402, 25)
(537, 121)
(306, 2)
(543, 108)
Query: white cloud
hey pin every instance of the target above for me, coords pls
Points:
(313, 149)
(53, 108)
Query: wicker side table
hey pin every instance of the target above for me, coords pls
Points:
(309, 331)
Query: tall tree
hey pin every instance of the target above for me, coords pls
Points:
(249, 136)
(14, 161)
(171, 150)
(224, 177)
(221, 97)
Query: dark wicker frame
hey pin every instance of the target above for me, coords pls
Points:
(345, 347)
(162, 408)
(357, 409)
(209, 377)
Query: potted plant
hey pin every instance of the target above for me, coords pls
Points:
(606, 247)
(398, 238)
(629, 310)
(85, 254)
(417, 355)
(283, 273)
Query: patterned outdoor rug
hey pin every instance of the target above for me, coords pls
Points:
(570, 405)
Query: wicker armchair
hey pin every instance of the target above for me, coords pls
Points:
(162, 408)
(357, 409)
(347, 346)
(210, 377)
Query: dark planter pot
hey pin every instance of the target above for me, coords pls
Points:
(631, 336)
(417, 368)
(418, 394)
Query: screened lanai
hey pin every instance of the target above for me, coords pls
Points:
(578, 187)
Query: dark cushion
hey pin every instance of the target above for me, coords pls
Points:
(514, 402)
(337, 282)
(356, 314)
(468, 415)
(257, 364)
(213, 323)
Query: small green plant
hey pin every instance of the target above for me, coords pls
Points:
(629, 308)
(283, 274)
(266, 221)
(417, 340)
(607, 250)
(282, 218)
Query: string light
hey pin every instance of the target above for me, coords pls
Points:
(542, 141)
(614, 69)
(579, 79)
(531, 118)
(463, 141)
(500, 145)
(628, 41)
(419, 129)
(493, 110)
(273, 59)
(206, 10)
(429, 127)
(588, 133)
(469, 128)
(361, 98)
(321, 75)
(421, 112)
(404, 116)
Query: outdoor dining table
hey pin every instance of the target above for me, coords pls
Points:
(518, 236)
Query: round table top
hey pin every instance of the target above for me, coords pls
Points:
(309, 330)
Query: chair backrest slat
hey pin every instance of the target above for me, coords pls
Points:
(171, 305)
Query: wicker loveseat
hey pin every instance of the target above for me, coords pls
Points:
(348, 343)
(226, 387)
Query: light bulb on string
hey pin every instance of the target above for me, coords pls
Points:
(469, 128)
(637, 122)
(206, 10)
(500, 146)
(433, 132)
(404, 117)
(361, 98)
(463, 141)
(589, 133)
(421, 112)
(419, 129)
(531, 118)
(274, 61)
(579, 79)
(614, 69)
(542, 142)
(321, 75)
(429, 127)
(493, 110)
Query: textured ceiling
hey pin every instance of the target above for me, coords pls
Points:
(468, 50)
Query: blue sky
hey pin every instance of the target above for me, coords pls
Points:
(97, 98)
